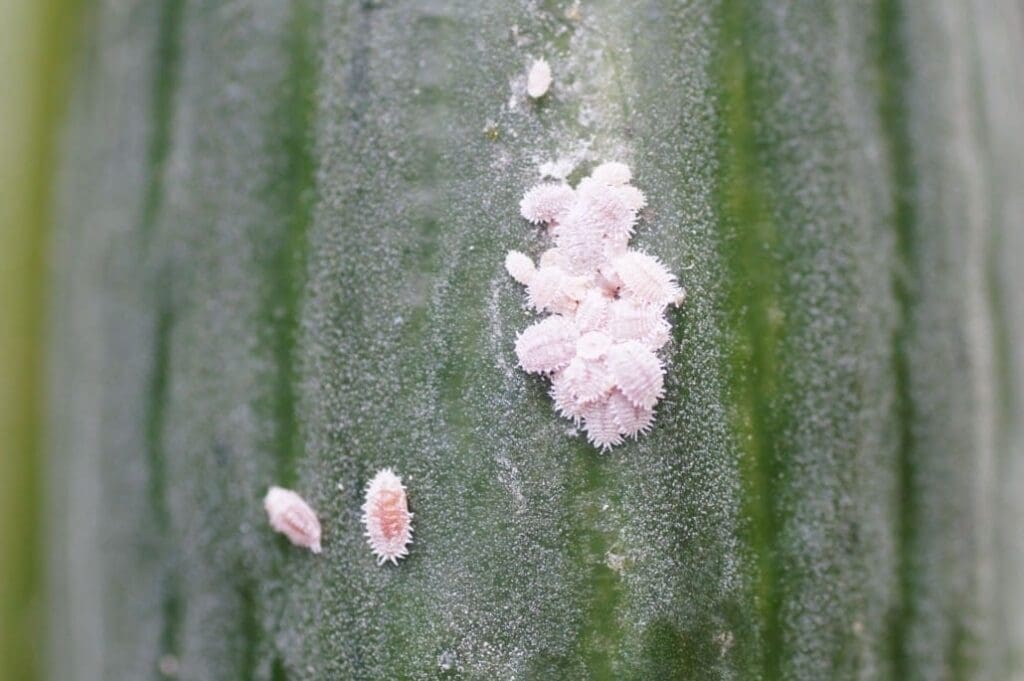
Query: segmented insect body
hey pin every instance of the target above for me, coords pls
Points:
(631, 196)
(548, 345)
(599, 422)
(581, 240)
(387, 518)
(607, 212)
(290, 515)
(646, 278)
(631, 419)
(629, 319)
(547, 202)
(552, 289)
(593, 345)
(592, 311)
(658, 337)
(607, 304)
(587, 380)
(613, 247)
(612, 173)
(637, 373)
(565, 401)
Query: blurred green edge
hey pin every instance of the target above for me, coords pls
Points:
(34, 50)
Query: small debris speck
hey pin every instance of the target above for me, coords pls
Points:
(615, 561)
(446, 661)
(168, 666)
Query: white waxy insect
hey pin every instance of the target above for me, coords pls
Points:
(631, 419)
(592, 312)
(576, 287)
(520, 267)
(580, 240)
(554, 258)
(566, 403)
(599, 422)
(548, 345)
(547, 202)
(637, 373)
(290, 515)
(538, 80)
(587, 380)
(607, 303)
(589, 187)
(626, 194)
(614, 246)
(646, 278)
(615, 217)
(613, 173)
(593, 345)
(553, 289)
(386, 517)
(631, 196)
(657, 338)
(629, 319)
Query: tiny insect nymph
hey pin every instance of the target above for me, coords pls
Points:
(538, 80)
(386, 517)
(290, 515)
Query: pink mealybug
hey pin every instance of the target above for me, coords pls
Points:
(547, 202)
(520, 267)
(599, 422)
(629, 319)
(631, 419)
(646, 278)
(606, 304)
(593, 345)
(631, 196)
(290, 515)
(637, 373)
(587, 380)
(554, 290)
(566, 403)
(554, 258)
(613, 173)
(548, 345)
(592, 311)
(386, 517)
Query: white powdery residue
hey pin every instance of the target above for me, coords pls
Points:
(538, 80)
(558, 169)
(606, 306)
(565, 161)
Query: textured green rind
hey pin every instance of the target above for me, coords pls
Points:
(279, 260)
